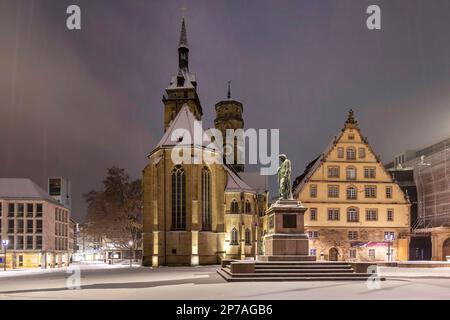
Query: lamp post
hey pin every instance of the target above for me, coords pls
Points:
(5, 246)
(389, 237)
(131, 255)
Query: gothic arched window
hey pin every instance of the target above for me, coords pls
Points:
(206, 200)
(178, 198)
(234, 237)
(248, 207)
(234, 206)
(248, 239)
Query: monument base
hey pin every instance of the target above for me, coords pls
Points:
(286, 240)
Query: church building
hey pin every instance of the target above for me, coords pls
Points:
(197, 213)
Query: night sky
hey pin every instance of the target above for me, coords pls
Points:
(73, 103)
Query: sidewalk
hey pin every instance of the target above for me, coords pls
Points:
(411, 273)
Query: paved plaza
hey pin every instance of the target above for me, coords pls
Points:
(101, 281)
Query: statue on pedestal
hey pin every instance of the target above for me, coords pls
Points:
(284, 178)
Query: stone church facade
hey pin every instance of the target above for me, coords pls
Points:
(196, 213)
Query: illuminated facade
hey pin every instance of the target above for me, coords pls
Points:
(35, 225)
(353, 205)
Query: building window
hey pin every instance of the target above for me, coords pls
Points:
(369, 172)
(351, 173)
(352, 254)
(39, 242)
(0, 213)
(333, 191)
(361, 153)
(351, 136)
(30, 210)
(39, 210)
(29, 226)
(372, 253)
(19, 243)
(10, 226)
(206, 200)
(29, 242)
(351, 153)
(20, 210)
(351, 193)
(389, 192)
(248, 207)
(234, 237)
(390, 215)
(178, 198)
(333, 172)
(353, 235)
(340, 152)
(38, 226)
(19, 226)
(371, 214)
(333, 214)
(313, 252)
(313, 214)
(313, 191)
(11, 242)
(352, 215)
(248, 238)
(313, 234)
(370, 191)
(234, 206)
(389, 235)
(11, 209)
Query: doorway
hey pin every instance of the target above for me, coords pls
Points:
(446, 249)
(333, 254)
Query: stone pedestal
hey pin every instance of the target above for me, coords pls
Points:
(286, 239)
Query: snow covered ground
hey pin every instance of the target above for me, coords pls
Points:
(102, 281)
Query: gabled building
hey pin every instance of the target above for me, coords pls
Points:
(355, 209)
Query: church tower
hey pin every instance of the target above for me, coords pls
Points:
(183, 86)
(229, 116)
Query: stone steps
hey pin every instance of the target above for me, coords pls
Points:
(296, 271)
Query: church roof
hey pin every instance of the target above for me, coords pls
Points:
(184, 121)
(22, 189)
(235, 183)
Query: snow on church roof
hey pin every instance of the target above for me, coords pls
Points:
(184, 120)
(22, 189)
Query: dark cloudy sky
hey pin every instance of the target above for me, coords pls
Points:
(75, 103)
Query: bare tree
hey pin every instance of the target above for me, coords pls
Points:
(115, 212)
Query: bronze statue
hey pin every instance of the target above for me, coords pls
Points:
(284, 178)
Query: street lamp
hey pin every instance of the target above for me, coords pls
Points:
(131, 248)
(389, 237)
(5, 245)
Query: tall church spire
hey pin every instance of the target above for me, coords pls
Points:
(229, 90)
(183, 50)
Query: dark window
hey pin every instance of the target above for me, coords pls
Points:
(29, 242)
(313, 191)
(20, 209)
(234, 206)
(10, 226)
(30, 210)
(39, 210)
(351, 154)
(11, 210)
(313, 214)
(234, 237)
(390, 215)
(352, 215)
(248, 238)
(39, 242)
(38, 226)
(333, 214)
(19, 227)
(248, 207)
(389, 192)
(29, 226)
(289, 221)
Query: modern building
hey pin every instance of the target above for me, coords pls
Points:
(355, 210)
(34, 224)
(197, 212)
(430, 169)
